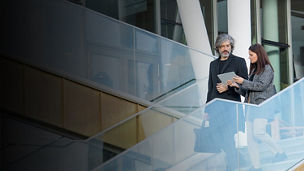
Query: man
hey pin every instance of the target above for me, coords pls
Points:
(226, 62)
(222, 117)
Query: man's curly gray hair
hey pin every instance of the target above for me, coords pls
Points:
(222, 38)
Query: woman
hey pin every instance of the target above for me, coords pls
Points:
(257, 89)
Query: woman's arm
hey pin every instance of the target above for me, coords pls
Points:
(265, 78)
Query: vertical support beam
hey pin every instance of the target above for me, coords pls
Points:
(239, 26)
(215, 20)
(194, 25)
(197, 38)
(271, 32)
(289, 39)
(157, 17)
(258, 22)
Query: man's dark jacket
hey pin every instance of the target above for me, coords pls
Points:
(233, 63)
(222, 116)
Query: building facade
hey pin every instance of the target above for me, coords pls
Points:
(277, 24)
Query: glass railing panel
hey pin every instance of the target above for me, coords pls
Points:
(110, 49)
(147, 42)
(177, 147)
(55, 41)
(189, 100)
(62, 154)
(174, 147)
(160, 65)
(83, 45)
(285, 126)
(123, 136)
(106, 32)
(175, 62)
(139, 127)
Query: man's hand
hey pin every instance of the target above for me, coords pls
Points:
(220, 87)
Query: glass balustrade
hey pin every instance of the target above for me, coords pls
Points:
(188, 143)
(191, 144)
(141, 126)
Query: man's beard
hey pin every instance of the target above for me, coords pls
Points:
(225, 55)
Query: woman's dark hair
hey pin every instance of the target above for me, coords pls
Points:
(263, 59)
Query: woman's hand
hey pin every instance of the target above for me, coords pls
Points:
(238, 79)
(232, 84)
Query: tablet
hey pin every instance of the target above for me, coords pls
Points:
(226, 76)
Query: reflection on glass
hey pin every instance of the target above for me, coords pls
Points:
(138, 128)
(193, 144)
